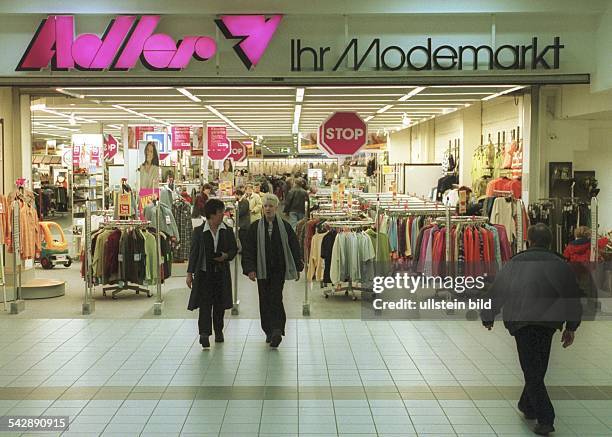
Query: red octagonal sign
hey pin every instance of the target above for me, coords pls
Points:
(343, 133)
(238, 151)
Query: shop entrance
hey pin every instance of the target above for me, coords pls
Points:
(89, 144)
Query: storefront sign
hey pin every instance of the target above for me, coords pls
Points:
(343, 133)
(427, 57)
(110, 147)
(181, 138)
(218, 144)
(129, 38)
(238, 152)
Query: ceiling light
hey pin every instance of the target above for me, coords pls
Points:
(406, 120)
(68, 93)
(299, 95)
(190, 96)
(384, 109)
(368, 118)
(508, 91)
(38, 107)
(225, 119)
(72, 120)
(414, 92)
(131, 111)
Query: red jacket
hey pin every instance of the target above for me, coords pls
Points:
(579, 250)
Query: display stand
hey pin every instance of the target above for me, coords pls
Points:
(594, 230)
(235, 300)
(306, 304)
(89, 305)
(157, 306)
(18, 305)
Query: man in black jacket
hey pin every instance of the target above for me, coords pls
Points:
(537, 293)
(295, 203)
(271, 256)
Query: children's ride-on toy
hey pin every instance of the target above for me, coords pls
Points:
(54, 246)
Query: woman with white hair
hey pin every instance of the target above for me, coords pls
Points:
(271, 256)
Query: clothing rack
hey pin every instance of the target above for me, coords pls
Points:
(450, 220)
(520, 240)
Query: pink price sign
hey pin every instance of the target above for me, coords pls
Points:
(218, 144)
(181, 138)
(76, 156)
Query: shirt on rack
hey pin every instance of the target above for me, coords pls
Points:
(316, 264)
(503, 213)
(167, 222)
(181, 211)
(504, 184)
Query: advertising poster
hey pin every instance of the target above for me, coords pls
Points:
(181, 138)
(198, 141)
(148, 173)
(218, 144)
(163, 143)
(136, 134)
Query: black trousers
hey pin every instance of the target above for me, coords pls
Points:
(533, 344)
(211, 307)
(271, 308)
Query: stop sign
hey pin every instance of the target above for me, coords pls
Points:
(343, 133)
(238, 151)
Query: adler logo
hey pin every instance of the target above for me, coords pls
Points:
(129, 39)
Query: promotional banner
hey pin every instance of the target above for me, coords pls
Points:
(250, 148)
(218, 144)
(181, 138)
(149, 170)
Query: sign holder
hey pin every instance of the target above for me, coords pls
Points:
(236, 304)
(158, 305)
(18, 305)
(89, 305)
(306, 304)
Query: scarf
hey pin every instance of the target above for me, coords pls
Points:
(290, 269)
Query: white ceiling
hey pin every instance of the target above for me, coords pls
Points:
(266, 112)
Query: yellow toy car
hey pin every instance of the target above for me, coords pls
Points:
(54, 246)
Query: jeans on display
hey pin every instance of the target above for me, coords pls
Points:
(294, 218)
(533, 345)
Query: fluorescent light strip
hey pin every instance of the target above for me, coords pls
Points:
(412, 93)
(131, 111)
(121, 88)
(68, 93)
(384, 109)
(225, 119)
(61, 114)
(190, 96)
(299, 95)
(52, 126)
(508, 91)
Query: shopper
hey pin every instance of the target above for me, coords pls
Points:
(200, 200)
(295, 203)
(538, 294)
(213, 246)
(254, 202)
(244, 216)
(271, 256)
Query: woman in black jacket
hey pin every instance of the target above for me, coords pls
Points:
(213, 246)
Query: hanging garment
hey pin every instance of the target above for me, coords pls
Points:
(181, 211)
(503, 213)
(167, 223)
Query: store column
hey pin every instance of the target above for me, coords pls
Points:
(13, 159)
(470, 139)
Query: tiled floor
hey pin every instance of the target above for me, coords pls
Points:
(329, 377)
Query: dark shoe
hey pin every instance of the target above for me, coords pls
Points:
(268, 338)
(204, 341)
(276, 339)
(219, 338)
(543, 429)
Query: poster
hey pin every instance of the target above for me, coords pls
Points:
(163, 143)
(136, 134)
(218, 144)
(181, 138)
(148, 173)
(198, 141)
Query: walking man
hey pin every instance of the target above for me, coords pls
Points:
(538, 294)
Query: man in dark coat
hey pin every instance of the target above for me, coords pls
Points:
(213, 246)
(244, 216)
(271, 256)
(295, 203)
(538, 294)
